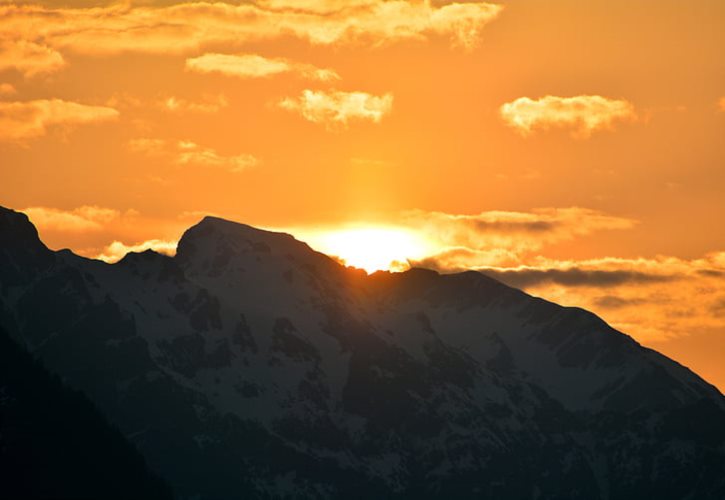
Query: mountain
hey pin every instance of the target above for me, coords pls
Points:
(249, 365)
(55, 444)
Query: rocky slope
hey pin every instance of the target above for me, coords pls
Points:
(250, 365)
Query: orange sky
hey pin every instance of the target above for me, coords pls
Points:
(571, 148)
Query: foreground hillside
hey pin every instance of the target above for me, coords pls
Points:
(55, 444)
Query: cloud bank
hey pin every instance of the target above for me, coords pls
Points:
(650, 298)
(190, 26)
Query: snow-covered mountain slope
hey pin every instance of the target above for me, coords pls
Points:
(250, 365)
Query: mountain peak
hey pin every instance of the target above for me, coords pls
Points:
(217, 240)
(15, 227)
(211, 224)
(144, 255)
(20, 247)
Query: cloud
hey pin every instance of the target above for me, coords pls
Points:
(504, 234)
(653, 299)
(534, 269)
(463, 21)
(208, 104)
(7, 89)
(614, 302)
(717, 306)
(29, 58)
(30, 119)
(582, 114)
(190, 26)
(459, 258)
(190, 153)
(81, 219)
(151, 147)
(315, 6)
(526, 277)
(337, 109)
(255, 66)
(117, 250)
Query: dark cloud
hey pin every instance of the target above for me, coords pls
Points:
(711, 273)
(508, 231)
(718, 307)
(616, 302)
(503, 226)
(523, 278)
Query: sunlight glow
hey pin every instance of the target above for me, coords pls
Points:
(371, 248)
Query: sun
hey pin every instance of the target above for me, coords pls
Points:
(371, 248)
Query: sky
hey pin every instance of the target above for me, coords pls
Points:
(572, 149)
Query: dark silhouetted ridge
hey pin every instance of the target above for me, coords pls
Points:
(55, 444)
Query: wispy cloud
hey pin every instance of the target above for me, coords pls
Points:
(207, 104)
(573, 274)
(149, 146)
(581, 114)
(29, 58)
(190, 153)
(256, 66)
(335, 109)
(81, 219)
(20, 121)
(502, 234)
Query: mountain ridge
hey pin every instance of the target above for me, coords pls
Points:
(411, 384)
